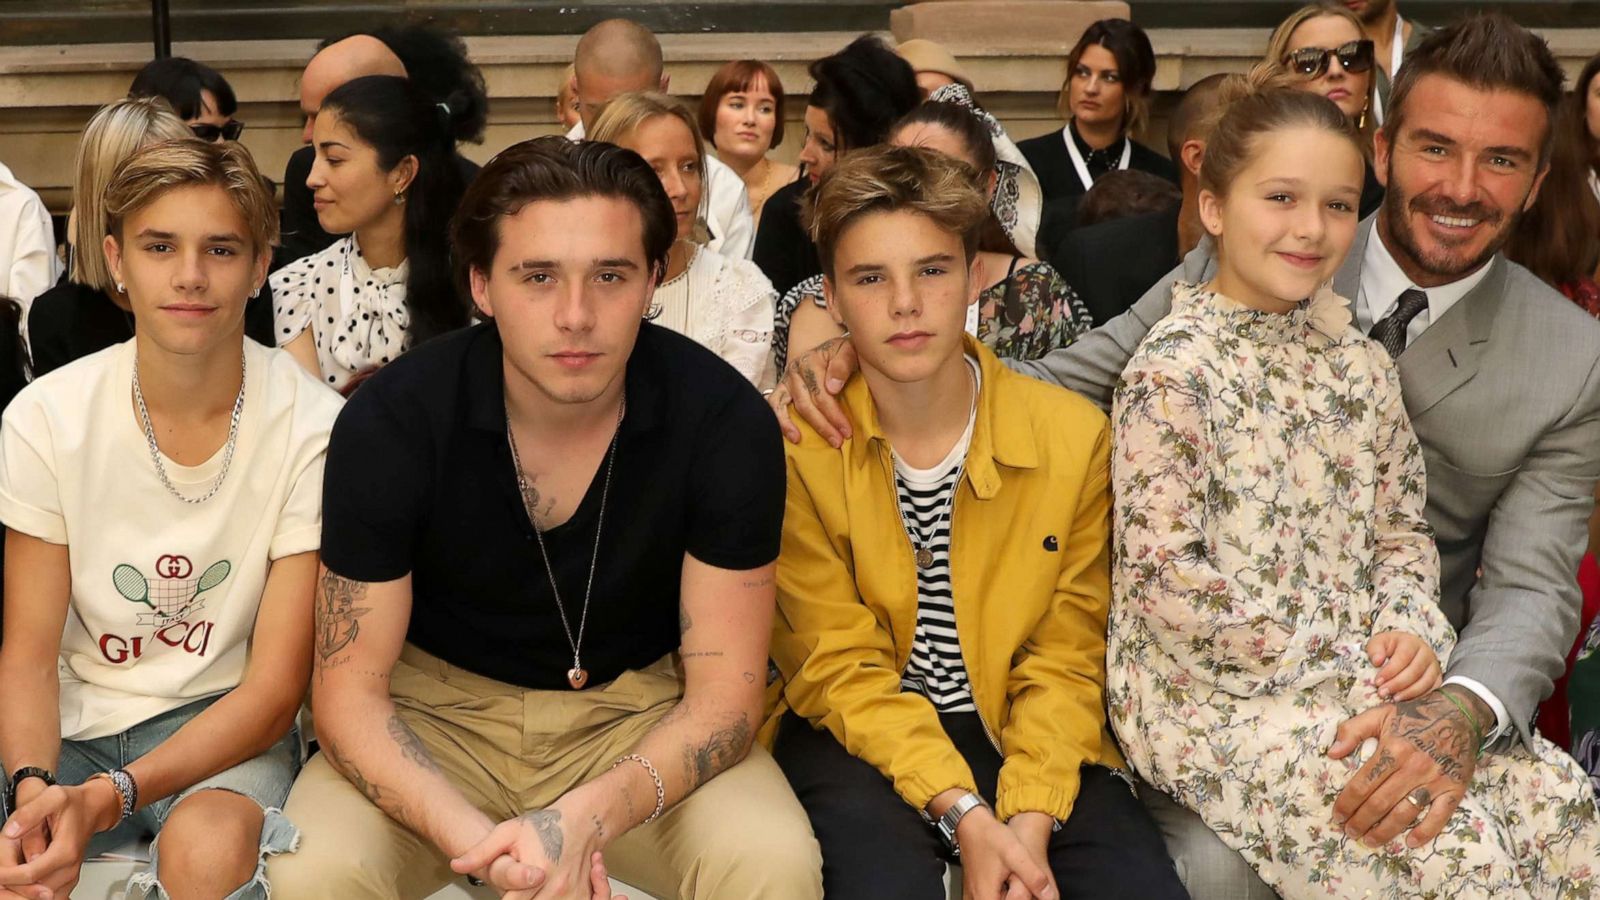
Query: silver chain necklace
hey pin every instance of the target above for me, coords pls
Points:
(155, 450)
(577, 676)
(922, 552)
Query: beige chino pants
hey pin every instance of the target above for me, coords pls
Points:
(508, 750)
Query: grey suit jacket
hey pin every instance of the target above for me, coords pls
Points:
(1504, 393)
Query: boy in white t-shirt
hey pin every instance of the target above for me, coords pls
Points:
(163, 504)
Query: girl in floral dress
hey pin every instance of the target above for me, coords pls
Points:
(1274, 573)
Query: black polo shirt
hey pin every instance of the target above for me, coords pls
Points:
(419, 479)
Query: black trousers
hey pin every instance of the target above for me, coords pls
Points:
(876, 846)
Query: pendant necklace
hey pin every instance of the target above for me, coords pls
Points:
(922, 552)
(577, 676)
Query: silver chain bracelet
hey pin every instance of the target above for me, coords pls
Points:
(661, 789)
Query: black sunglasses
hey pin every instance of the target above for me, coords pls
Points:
(229, 132)
(1312, 62)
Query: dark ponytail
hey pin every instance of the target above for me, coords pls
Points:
(398, 120)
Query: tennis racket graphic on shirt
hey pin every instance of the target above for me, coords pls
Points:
(171, 596)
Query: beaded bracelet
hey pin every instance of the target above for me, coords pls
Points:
(661, 789)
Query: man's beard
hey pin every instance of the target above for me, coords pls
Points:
(1375, 11)
(1447, 264)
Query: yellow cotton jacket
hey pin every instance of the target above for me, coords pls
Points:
(1030, 575)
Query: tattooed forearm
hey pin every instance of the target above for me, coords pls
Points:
(753, 584)
(410, 745)
(724, 747)
(546, 823)
(700, 654)
(339, 608)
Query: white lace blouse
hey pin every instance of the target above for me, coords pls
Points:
(357, 314)
(727, 306)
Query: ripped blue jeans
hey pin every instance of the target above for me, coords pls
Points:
(265, 779)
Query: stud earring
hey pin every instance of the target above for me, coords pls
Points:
(121, 288)
(399, 198)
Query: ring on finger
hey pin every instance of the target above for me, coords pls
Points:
(1421, 798)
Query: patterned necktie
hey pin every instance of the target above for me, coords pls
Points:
(1391, 332)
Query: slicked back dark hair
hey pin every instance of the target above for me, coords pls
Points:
(179, 81)
(554, 168)
(1488, 52)
(437, 63)
(864, 88)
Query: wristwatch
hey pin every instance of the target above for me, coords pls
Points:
(18, 777)
(946, 824)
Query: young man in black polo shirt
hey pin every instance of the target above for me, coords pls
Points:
(560, 625)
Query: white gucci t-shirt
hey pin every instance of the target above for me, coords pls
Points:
(164, 593)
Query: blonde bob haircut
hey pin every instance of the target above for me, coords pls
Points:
(1277, 57)
(626, 112)
(188, 162)
(886, 178)
(115, 133)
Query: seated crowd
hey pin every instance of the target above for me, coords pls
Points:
(1104, 522)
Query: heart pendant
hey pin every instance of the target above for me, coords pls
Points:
(577, 676)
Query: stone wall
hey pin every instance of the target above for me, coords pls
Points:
(47, 93)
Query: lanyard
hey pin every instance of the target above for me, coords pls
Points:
(1083, 167)
(1397, 55)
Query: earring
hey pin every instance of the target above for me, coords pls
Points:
(121, 288)
(255, 293)
(399, 198)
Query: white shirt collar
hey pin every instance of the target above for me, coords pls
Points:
(1383, 281)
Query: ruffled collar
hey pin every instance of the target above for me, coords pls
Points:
(1325, 312)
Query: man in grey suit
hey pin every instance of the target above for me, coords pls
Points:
(1501, 378)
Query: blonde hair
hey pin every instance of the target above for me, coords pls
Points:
(1249, 107)
(158, 168)
(1277, 57)
(887, 178)
(115, 133)
(626, 112)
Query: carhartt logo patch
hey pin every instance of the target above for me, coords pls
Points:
(1051, 544)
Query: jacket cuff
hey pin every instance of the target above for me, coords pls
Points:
(919, 790)
(1054, 800)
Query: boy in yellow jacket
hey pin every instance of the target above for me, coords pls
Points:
(943, 583)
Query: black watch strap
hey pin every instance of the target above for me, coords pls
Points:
(21, 775)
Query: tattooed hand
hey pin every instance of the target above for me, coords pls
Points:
(546, 851)
(810, 383)
(1426, 754)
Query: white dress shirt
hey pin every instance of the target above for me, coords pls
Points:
(28, 262)
(726, 204)
(1382, 283)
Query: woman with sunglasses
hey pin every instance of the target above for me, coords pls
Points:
(1321, 46)
(1105, 100)
(202, 97)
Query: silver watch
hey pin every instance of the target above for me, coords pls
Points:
(946, 824)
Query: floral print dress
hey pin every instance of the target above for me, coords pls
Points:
(1269, 496)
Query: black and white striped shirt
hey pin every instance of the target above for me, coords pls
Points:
(936, 669)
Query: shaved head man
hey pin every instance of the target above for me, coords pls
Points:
(615, 57)
(339, 62)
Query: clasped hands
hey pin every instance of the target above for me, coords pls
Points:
(1427, 748)
(548, 854)
(43, 844)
